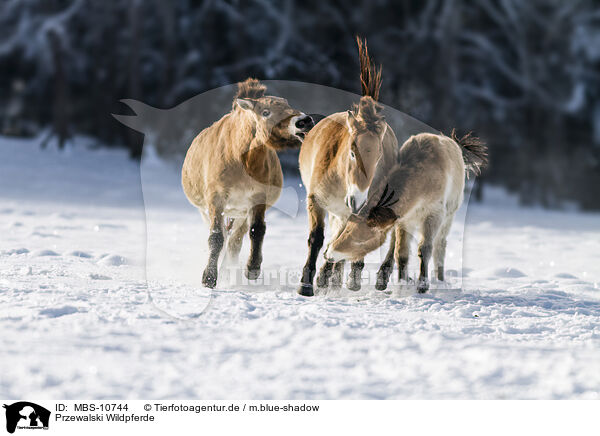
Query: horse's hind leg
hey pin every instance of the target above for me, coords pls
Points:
(257, 235)
(431, 226)
(386, 268)
(439, 248)
(215, 242)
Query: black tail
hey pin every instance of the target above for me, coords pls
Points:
(370, 75)
(474, 150)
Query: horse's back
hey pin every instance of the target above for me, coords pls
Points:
(438, 159)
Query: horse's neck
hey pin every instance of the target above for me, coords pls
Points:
(244, 126)
(256, 161)
(253, 150)
(343, 159)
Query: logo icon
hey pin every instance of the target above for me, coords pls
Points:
(26, 415)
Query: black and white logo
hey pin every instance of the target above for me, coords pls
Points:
(26, 415)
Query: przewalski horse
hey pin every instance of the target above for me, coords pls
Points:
(338, 161)
(232, 173)
(423, 191)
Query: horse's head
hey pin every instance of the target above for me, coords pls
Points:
(366, 231)
(277, 123)
(367, 128)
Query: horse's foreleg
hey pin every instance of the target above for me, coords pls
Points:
(215, 243)
(331, 273)
(325, 273)
(316, 217)
(402, 251)
(386, 268)
(329, 270)
(234, 244)
(354, 278)
(257, 234)
(336, 276)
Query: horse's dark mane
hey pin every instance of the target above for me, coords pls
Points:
(250, 88)
(368, 111)
(370, 75)
(368, 114)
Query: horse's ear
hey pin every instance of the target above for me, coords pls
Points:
(245, 103)
(350, 122)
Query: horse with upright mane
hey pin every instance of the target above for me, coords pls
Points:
(339, 160)
(232, 173)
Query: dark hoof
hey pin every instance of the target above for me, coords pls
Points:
(252, 273)
(383, 277)
(353, 285)
(209, 278)
(422, 286)
(306, 290)
(381, 285)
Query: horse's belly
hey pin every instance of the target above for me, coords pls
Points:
(240, 201)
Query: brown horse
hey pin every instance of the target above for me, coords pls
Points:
(339, 160)
(423, 191)
(232, 172)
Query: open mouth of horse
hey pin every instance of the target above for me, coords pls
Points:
(301, 135)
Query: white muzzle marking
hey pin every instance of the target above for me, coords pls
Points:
(295, 131)
(356, 198)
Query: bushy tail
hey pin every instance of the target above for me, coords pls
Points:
(474, 150)
(370, 75)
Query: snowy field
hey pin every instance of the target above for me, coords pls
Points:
(82, 317)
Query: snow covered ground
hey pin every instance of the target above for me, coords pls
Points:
(79, 321)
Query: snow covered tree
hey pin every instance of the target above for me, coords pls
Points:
(522, 74)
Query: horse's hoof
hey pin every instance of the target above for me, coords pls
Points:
(252, 273)
(306, 290)
(381, 285)
(354, 286)
(422, 286)
(383, 278)
(209, 278)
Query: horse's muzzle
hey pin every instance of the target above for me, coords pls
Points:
(355, 203)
